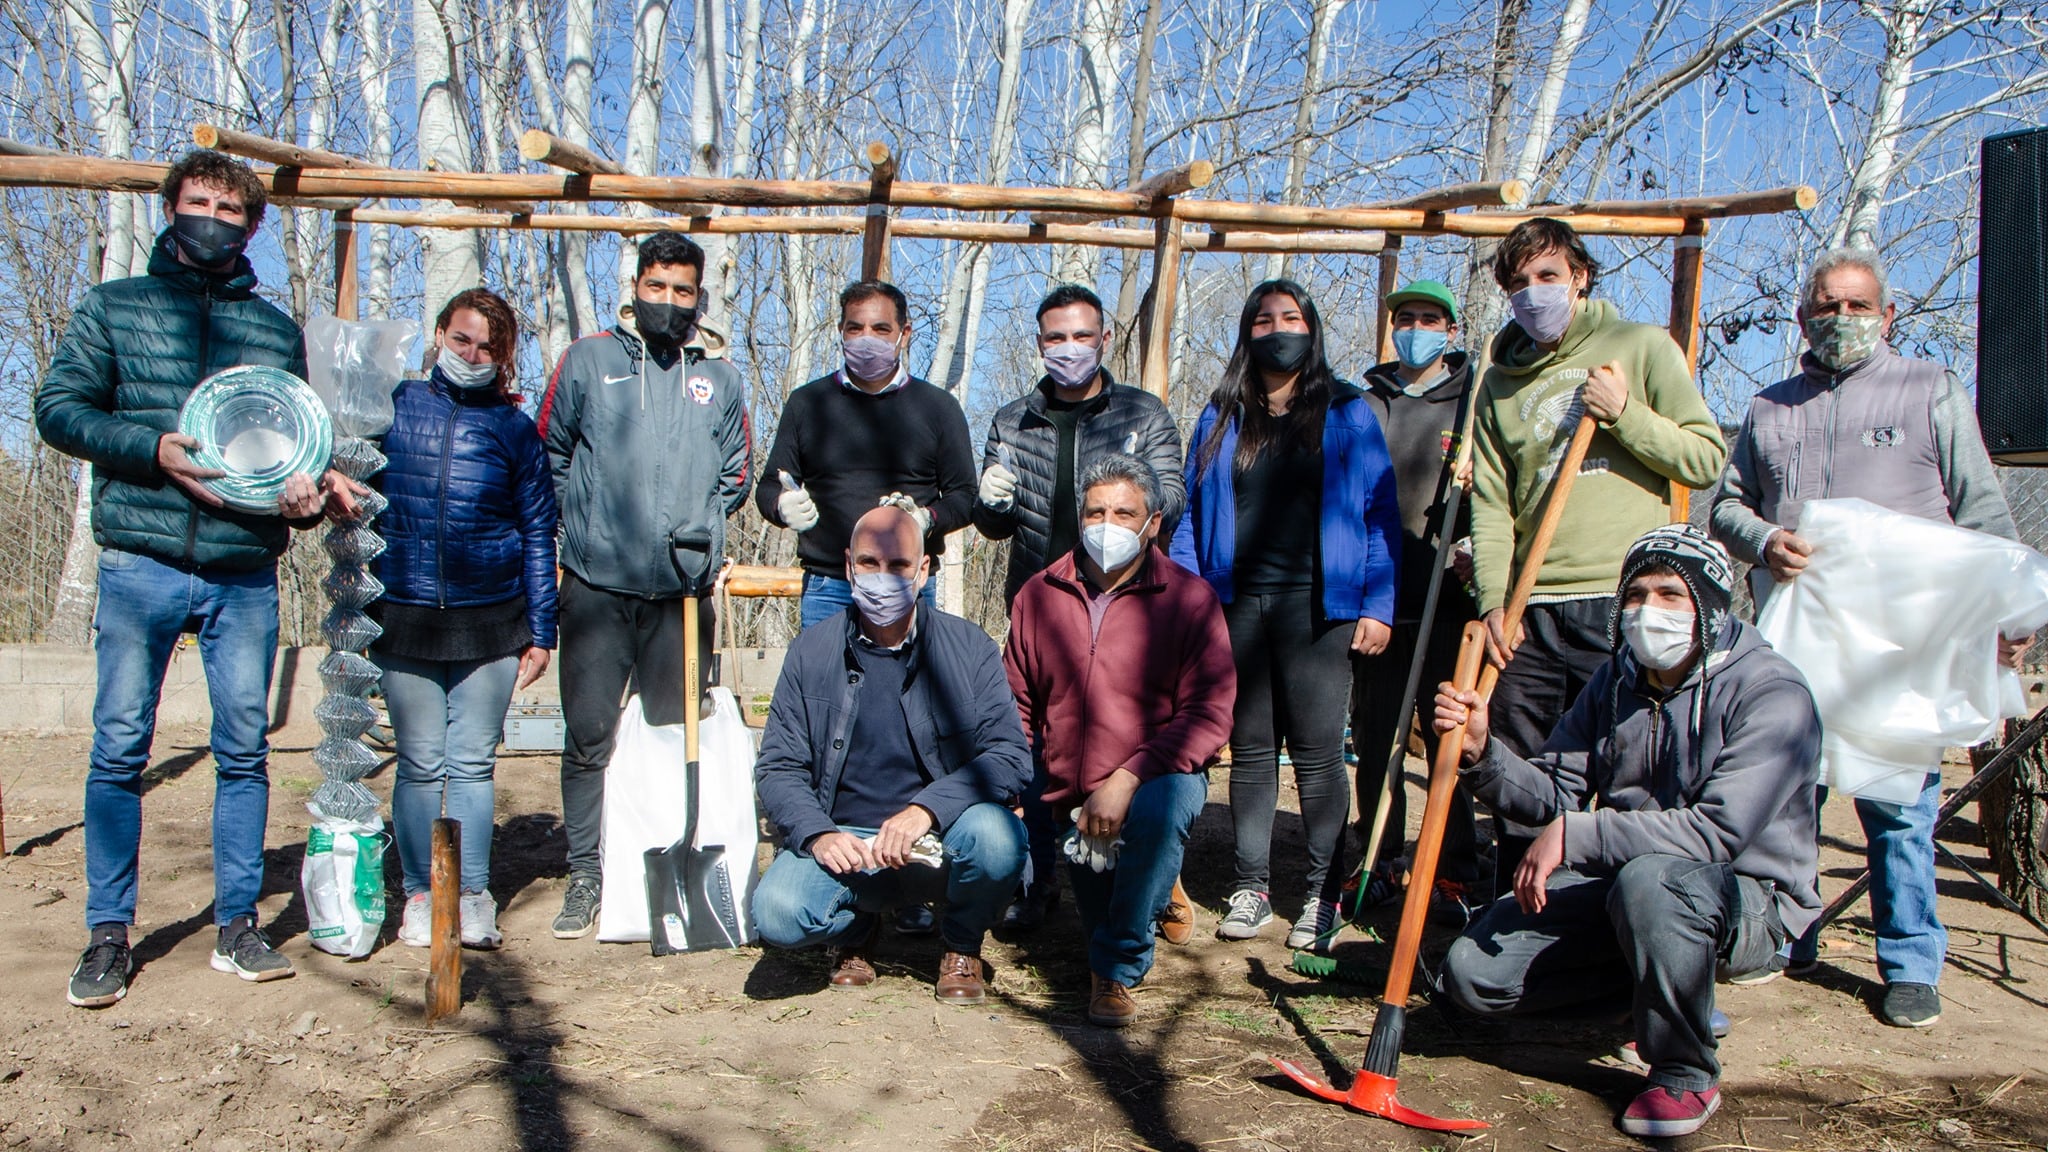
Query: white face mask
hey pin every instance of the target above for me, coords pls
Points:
(462, 373)
(883, 597)
(1660, 637)
(1544, 311)
(1072, 364)
(1111, 546)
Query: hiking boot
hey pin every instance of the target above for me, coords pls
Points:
(101, 977)
(1109, 1003)
(579, 909)
(915, 920)
(480, 921)
(1317, 923)
(245, 951)
(1660, 1112)
(1910, 1005)
(1029, 909)
(1177, 919)
(1249, 912)
(851, 967)
(416, 923)
(962, 979)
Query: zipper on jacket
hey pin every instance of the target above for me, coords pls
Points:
(205, 354)
(441, 511)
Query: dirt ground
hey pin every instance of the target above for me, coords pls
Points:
(573, 1044)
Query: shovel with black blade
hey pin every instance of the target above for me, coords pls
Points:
(691, 904)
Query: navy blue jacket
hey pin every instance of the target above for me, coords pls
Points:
(472, 516)
(1361, 522)
(956, 695)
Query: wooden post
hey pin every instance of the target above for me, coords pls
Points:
(1688, 272)
(1158, 359)
(874, 243)
(444, 962)
(1390, 282)
(347, 283)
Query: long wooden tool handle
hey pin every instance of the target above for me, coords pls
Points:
(693, 687)
(1443, 776)
(1546, 531)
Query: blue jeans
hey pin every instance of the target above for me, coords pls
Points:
(144, 606)
(1911, 943)
(825, 596)
(1120, 908)
(800, 905)
(446, 716)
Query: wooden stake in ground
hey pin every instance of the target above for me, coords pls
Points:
(444, 963)
(1373, 1090)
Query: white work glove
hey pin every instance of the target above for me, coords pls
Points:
(922, 516)
(998, 487)
(795, 505)
(927, 849)
(1096, 854)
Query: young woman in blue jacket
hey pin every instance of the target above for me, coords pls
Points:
(469, 594)
(1292, 519)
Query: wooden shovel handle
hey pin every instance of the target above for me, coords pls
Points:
(1546, 528)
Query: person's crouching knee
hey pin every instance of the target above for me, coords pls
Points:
(1472, 980)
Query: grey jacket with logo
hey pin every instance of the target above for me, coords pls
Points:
(641, 451)
(1121, 419)
(1720, 769)
(1895, 431)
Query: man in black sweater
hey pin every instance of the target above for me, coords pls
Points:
(1420, 399)
(868, 434)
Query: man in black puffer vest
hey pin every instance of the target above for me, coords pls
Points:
(1038, 444)
(173, 558)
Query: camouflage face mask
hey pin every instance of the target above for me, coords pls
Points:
(1844, 341)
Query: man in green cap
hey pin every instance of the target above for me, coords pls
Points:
(1420, 399)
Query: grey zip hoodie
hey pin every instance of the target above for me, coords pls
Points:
(1721, 769)
(639, 451)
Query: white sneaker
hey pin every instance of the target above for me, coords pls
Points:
(1317, 924)
(480, 921)
(416, 926)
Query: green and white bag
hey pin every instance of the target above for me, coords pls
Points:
(344, 882)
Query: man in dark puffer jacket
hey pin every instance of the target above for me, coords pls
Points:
(1038, 444)
(174, 559)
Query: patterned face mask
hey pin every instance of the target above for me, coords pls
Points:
(1844, 341)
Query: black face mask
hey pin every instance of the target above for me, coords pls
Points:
(665, 324)
(207, 241)
(1280, 351)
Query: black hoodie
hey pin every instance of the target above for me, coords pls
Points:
(1422, 438)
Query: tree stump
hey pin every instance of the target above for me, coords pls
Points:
(2013, 812)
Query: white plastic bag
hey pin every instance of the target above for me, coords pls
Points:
(645, 806)
(355, 365)
(1895, 625)
(344, 883)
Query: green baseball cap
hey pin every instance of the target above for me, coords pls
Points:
(1428, 291)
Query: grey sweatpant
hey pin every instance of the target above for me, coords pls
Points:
(1661, 927)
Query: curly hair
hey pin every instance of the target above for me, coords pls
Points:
(504, 326)
(222, 171)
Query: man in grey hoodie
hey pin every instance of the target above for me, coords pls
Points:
(646, 429)
(1701, 747)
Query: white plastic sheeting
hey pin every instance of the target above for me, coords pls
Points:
(1895, 625)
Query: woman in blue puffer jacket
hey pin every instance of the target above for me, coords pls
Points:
(469, 594)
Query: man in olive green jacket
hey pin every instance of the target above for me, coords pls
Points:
(1565, 357)
(174, 558)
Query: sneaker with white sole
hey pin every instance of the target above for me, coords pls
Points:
(1313, 929)
(480, 921)
(1910, 1005)
(1661, 1113)
(579, 909)
(1249, 912)
(101, 978)
(416, 924)
(245, 951)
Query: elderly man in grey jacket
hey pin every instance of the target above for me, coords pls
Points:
(1861, 420)
(1700, 745)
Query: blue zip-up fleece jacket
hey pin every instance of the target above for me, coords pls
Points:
(1720, 769)
(1361, 521)
(472, 516)
(956, 695)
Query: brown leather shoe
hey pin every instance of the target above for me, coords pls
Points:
(1177, 921)
(961, 979)
(851, 967)
(1109, 1003)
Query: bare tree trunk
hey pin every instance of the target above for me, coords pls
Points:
(1141, 109)
(643, 114)
(1571, 30)
(297, 254)
(745, 105)
(373, 70)
(1905, 30)
(1098, 61)
(799, 295)
(1483, 303)
(1322, 17)
(451, 259)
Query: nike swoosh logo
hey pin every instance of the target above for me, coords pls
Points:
(616, 379)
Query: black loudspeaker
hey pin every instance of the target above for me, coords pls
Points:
(2012, 298)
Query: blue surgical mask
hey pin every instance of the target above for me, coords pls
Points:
(1419, 347)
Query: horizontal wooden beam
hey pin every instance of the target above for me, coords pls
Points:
(1481, 194)
(758, 580)
(1797, 198)
(1175, 181)
(544, 147)
(272, 151)
(20, 148)
(97, 173)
